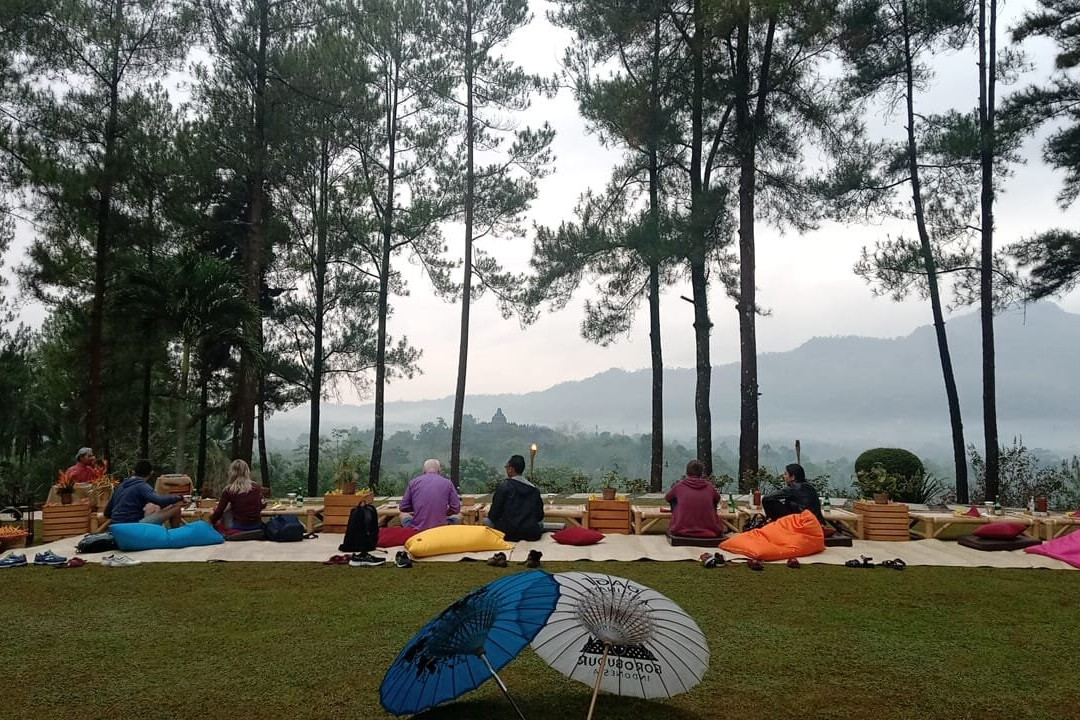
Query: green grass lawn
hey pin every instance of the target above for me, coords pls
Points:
(289, 640)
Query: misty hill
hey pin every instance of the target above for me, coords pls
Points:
(847, 392)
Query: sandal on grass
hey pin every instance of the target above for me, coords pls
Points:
(755, 565)
(895, 564)
(793, 563)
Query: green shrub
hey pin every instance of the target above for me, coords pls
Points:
(896, 461)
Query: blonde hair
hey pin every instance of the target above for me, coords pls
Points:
(238, 480)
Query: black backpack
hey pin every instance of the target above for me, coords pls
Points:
(362, 532)
(96, 542)
(284, 528)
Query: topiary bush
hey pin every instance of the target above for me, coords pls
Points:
(896, 461)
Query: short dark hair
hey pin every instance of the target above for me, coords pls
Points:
(695, 468)
(517, 462)
(797, 472)
(143, 468)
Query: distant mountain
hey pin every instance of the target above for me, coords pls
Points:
(847, 392)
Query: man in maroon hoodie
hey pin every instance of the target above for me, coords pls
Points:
(693, 504)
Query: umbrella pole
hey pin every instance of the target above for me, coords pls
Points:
(501, 685)
(599, 679)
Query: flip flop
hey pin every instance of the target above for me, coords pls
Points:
(896, 564)
(337, 560)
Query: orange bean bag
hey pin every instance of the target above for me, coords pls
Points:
(790, 536)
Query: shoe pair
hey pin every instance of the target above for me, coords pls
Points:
(895, 564)
(366, 560)
(711, 560)
(497, 560)
(13, 560)
(49, 558)
(402, 559)
(864, 561)
(533, 561)
(115, 560)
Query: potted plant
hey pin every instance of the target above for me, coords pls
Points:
(877, 483)
(65, 487)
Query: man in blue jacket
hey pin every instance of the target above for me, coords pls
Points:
(133, 501)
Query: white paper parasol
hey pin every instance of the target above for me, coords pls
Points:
(622, 637)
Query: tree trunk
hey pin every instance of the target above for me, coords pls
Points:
(144, 412)
(747, 129)
(315, 396)
(656, 463)
(246, 395)
(102, 241)
(181, 410)
(466, 287)
(702, 324)
(204, 402)
(987, 81)
(955, 419)
(264, 459)
(384, 291)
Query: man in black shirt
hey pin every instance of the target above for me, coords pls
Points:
(796, 496)
(516, 508)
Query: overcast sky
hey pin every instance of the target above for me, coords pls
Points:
(805, 281)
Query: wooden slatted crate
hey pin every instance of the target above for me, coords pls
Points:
(61, 521)
(610, 516)
(336, 509)
(884, 522)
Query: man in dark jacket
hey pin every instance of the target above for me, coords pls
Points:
(133, 501)
(516, 508)
(798, 495)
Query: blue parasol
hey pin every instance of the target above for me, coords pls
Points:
(469, 642)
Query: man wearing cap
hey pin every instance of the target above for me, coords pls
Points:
(83, 469)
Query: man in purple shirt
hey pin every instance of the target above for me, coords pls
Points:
(431, 499)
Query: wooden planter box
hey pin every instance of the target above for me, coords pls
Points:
(884, 522)
(610, 516)
(61, 521)
(336, 509)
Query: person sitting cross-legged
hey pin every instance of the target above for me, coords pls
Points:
(241, 503)
(796, 495)
(516, 508)
(134, 501)
(430, 500)
(693, 504)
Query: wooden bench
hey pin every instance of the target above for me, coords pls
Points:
(647, 516)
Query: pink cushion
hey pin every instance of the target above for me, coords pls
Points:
(394, 536)
(1000, 530)
(1066, 549)
(577, 536)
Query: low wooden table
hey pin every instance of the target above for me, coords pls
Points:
(574, 515)
(645, 516)
(470, 514)
(1055, 525)
(934, 523)
(844, 521)
(306, 512)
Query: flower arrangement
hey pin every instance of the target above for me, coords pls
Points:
(65, 482)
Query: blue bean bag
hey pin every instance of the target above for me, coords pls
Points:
(148, 536)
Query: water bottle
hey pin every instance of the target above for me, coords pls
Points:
(826, 506)
(1031, 505)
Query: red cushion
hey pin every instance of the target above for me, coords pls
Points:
(577, 536)
(394, 536)
(1000, 530)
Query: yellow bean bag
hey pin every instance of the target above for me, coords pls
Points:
(455, 539)
(790, 536)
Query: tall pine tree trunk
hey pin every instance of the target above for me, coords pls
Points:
(930, 267)
(987, 148)
(698, 251)
(264, 458)
(656, 463)
(466, 287)
(253, 251)
(315, 397)
(204, 404)
(748, 128)
(102, 240)
(181, 410)
(384, 288)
